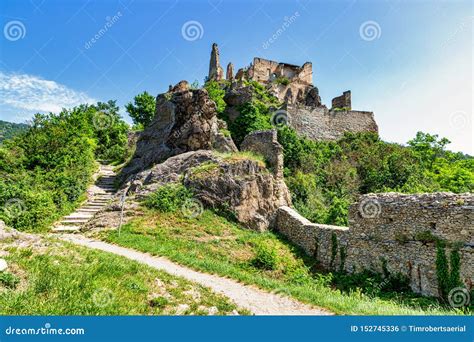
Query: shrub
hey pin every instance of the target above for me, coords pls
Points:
(168, 198)
(282, 80)
(8, 280)
(266, 256)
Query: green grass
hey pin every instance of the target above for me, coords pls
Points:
(212, 244)
(62, 279)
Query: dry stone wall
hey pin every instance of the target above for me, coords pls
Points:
(395, 231)
(320, 123)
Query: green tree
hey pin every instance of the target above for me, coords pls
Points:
(142, 110)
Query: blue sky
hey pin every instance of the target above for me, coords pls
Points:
(408, 61)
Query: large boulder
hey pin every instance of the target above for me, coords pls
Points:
(186, 120)
(236, 183)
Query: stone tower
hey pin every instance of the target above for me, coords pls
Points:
(230, 72)
(216, 72)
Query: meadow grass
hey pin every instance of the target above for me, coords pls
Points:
(63, 279)
(212, 244)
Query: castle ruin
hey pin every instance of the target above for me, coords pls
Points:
(293, 86)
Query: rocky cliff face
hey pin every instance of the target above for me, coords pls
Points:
(184, 144)
(186, 120)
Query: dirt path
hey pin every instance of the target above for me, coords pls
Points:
(251, 298)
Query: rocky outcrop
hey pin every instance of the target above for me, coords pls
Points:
(238, 184)
(230, 72)
(186, 120)
(216, 72)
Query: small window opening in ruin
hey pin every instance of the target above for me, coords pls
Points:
(433, 225)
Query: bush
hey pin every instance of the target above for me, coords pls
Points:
(8, 280)
(266, 256)
(216, 93)
(168, 198)
(45, 171)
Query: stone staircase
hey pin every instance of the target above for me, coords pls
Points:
(99, 195)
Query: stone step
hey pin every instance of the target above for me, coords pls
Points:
(65, 229)
(73, 223)
(79, 216)
(85, 210)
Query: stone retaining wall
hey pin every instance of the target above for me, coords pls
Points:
(397, 230)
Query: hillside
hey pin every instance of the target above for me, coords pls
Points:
(221, 201)
(9, 129)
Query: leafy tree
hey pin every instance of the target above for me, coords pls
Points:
(216, 93)
(142, 110)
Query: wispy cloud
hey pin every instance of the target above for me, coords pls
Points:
(32, 93)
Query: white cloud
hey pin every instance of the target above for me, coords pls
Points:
(32, 93)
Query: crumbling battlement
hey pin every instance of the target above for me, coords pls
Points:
(394, 231)
(264, 70)
(320, 123)
(293, 86)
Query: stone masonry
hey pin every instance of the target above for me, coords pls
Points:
(293, 86)
(343, 101)
(398, 229)
(320, 123)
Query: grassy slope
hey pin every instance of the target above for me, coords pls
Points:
(57, 278)
(212, 244)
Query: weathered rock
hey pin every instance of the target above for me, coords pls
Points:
(215, 70)
(3, 265)
(312, 98)
(230, 72)
(239, 185)
(186, 120)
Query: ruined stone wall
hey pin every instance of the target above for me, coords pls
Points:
(319, 123)
(343, 101)
(264, 70)
(396, 229)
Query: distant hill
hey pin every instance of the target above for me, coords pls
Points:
(10, 129)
